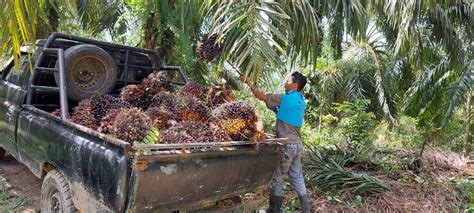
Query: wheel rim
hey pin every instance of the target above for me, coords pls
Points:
(88, 73)
(55, 203)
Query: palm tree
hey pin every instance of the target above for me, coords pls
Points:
(427, 38)
(24, 21)
(432, 39)
(172, 27)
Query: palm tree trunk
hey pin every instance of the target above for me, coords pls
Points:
(53, 18)
(150, 32)
(467, 134)
(44, 30)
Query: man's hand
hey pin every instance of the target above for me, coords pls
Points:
(257, 93)
(244, 79)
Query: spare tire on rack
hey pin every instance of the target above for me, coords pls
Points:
(89, 70)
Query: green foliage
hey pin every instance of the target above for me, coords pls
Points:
(465, 192)
(329, 175)
(151, 137)
(292, 205)
(173, 29)
(353, 139)
(406, 134)
(452, 135)
(356, 124)
(349, 129)
(257, 35)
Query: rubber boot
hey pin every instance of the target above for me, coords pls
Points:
(305, 206)
(275, 204)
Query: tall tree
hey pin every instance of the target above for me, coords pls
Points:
(467, 133)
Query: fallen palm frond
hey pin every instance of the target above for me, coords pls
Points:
(329, 175)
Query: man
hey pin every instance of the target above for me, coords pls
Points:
(289, 108)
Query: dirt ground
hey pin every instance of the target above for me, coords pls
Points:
(21, 182)
(20, 189)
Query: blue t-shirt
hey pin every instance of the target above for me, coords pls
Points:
(289, 107)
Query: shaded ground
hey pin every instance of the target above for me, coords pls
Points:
(19, 188)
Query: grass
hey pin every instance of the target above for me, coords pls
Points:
(12, 202)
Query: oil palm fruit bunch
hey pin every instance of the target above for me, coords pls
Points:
(189, 108)
(82, 114)
(258, 136)
(214, 134)
(157, 82)
(219, 134)
(164, 99)
(108, 121)
(131, 125)
(160, 117)
(208, 47)
(168, 136)
(238, 118)
(195, 129)
(134, 95)
(102, 103)
(218, 95)
(194, 89)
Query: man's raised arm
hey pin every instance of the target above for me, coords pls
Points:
(257, 93)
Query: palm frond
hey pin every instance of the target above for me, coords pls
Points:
(329, 175)
(19, 22)
(261, 35)
(97, 16)
(457, 90)
(408, 32)
(307, 32)
(356, 79)
(355, 87)
(444, 32)
(379, 82)
(422, 93)
(151, 137)
(336, 30)
(252, 38)
(332, 85)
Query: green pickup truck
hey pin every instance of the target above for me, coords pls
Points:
(87, 171)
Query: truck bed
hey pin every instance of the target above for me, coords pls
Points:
(109, 174)
(169, 177)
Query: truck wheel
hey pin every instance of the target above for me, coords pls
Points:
(89, 69)
(55, 194)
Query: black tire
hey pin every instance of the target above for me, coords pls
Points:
(2, 153)
(89, 70)
(56, 196)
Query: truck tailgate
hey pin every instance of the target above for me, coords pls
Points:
(183, 176)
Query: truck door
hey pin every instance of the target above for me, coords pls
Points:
(12, 96)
